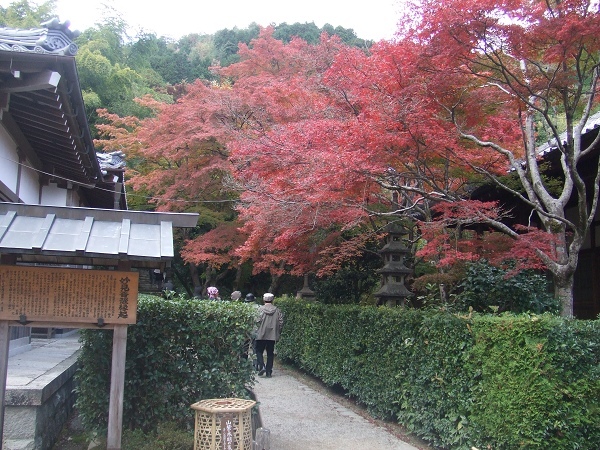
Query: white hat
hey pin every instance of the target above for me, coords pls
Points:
(268, 297)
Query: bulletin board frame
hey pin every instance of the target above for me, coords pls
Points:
(34, 294)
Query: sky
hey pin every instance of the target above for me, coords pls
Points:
(372, 19)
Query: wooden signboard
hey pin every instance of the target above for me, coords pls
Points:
(44, 294)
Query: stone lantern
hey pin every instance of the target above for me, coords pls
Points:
(393, 291)
(306, 293)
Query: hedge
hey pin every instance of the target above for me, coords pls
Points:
(179, 352)
(501, 382)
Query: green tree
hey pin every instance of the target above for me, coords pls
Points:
(308, 32)
(347, 35)
(173, 62)
(106, 78)
(22, 14)
(226, 42)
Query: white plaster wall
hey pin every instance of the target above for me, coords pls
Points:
(29, 190)
(29, 185)
(52, 195)
(8, 160)
(75, 199)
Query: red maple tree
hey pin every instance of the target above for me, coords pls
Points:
(178, 162)
(506, 72)
(346, 138)
(296, 173)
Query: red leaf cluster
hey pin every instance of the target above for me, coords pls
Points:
(216, 247)
(463, 231)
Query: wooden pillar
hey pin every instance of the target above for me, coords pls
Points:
(4, 349)
(117, 380)
(117, 386)
(263, 439)
(4, 346)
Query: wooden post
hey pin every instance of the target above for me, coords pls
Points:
(117, 386)
(4, 345)
(263, 439)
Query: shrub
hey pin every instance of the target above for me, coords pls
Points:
(352, 283)
(486, 288)
(537, 383)
(179, 352)
(402, 364)
(504, 382)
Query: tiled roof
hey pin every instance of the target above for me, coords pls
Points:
(42, 106)
(111, 161)
(592, 123)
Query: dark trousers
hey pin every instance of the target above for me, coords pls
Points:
(261, 346)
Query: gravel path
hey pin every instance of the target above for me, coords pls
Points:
(302, 417)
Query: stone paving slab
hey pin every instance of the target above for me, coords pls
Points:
(25, 368)
(39, 392)
(299, 418)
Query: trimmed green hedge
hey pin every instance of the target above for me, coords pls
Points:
(501, 382)
(179, 352)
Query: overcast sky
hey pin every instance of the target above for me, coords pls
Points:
(371, 19)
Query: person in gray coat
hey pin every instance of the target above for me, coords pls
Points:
(270, 324)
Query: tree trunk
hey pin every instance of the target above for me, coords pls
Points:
(563, 290)
(276, 280)
(275, 283)
(238, 277)
(564, 266)
(209, 277)
(194, 274)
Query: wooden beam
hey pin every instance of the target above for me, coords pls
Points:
(4, 346)
(117, 387)
(124, 265)
(47, 79)
(4, 101)
(8, 258)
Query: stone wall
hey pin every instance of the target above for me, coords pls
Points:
(35, 415)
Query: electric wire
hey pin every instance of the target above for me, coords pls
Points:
(146, 197)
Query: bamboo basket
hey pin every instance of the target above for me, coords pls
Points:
(223, 424)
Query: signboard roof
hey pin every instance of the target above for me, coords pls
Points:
(63, 235)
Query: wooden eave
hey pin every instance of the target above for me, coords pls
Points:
(44, 112)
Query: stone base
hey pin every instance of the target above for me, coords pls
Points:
(19, 444)
(37, 408)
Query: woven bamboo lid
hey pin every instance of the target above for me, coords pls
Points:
(223, 405)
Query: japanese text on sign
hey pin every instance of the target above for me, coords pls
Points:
(68, 295)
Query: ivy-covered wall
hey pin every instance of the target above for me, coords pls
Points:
(179, 352)
(501, 382)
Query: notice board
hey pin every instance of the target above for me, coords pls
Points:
(50, 294)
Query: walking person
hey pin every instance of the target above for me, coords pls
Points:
(270, 324)
(213, 293)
